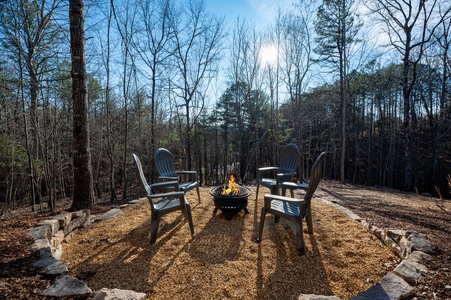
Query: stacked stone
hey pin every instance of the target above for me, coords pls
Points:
(49, 236)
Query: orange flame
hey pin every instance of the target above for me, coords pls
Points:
(232, 188)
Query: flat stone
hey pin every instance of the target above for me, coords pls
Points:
(57, 239)
(391, 244)
(63, 218)
(376, 231)
(53, 224)
(117, 294)
(396, 234)
(317, 297)
(405, 246)
(410, 271)
(76, 214)
(40, 232)
(77, 222)
(45, 262)
(41, 248)
(419, 243)
(56, 269)
(57, 252)
(391, 287)
(110, 214)
(67, 286)
(418, 256)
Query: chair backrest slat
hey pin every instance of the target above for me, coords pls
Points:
(315, 177)
(141, 175)
(289, 158)
(164, 160)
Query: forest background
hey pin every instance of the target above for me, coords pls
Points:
(367, 83)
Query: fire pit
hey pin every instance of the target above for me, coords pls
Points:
(230, 199)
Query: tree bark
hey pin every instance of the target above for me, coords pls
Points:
(83, 197)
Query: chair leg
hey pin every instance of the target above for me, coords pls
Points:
(154, 223)
(198, 193)
(190, 219)
(309, 220)
(299, 235)
(274, 189)
(262, 224)
(276, 219)
(256, 192)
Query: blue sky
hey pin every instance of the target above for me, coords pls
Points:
(260, 12)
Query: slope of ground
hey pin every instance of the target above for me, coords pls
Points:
(380, 207)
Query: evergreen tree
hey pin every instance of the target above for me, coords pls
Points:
(337, 29)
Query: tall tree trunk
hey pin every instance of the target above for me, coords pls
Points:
(83, 197)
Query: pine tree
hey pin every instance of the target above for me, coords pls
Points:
(337, 29)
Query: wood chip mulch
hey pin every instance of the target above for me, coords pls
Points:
(223, 260)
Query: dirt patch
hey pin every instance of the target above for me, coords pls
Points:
(224, 260)
(388, 208)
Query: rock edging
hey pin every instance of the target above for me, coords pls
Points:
(412, 247)
(49, 235)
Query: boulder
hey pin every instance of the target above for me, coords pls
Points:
(67, 286)
(410, 271)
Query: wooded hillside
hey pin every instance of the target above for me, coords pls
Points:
(172, 74)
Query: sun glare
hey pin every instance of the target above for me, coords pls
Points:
(268, 54)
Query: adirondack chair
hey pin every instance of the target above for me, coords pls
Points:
(289, 161)
(162, 203)
(294, 210)
(164, 161)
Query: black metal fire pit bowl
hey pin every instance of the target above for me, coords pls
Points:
(230, 205)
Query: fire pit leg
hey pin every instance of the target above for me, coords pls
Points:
(246, 211)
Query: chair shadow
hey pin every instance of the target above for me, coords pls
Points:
(219, 240)
(134, 260)
(288, 260)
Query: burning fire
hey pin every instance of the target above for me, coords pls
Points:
(232, 188)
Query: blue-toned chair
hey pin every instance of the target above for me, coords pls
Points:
(273, 177)
(163, 202)
(164, 160)
(294, 210)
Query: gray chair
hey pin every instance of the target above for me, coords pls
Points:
(162, 202)
(294, 210)
(289, 161)
(164, 160)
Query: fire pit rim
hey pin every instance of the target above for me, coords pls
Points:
(215, 192)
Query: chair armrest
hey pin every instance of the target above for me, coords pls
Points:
(186, 172)
(268, 169)
(192, 175)
(270, 197)
(286, 174)
(167, 195)
(164, 184)
(294, 185)
(168, 178)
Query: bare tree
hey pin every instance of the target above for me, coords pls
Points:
(198, 38)
(410, 25)
(153, 44)
(296, 59)
(30, 33)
